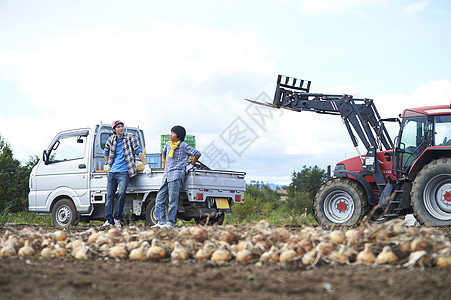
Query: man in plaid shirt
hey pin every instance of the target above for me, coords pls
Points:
(119, 153)
(175, 156)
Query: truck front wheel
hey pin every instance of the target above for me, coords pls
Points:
(340, 201)
(64, 214)
(431, 193)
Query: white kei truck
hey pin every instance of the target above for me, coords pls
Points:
(69, 182)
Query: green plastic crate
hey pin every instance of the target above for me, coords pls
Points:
(189, 139)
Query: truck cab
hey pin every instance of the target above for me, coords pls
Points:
(65, 156)
(69, 182)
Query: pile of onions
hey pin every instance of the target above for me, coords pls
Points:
(390, 243)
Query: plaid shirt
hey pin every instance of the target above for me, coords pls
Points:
(175, 167)
(129, 145)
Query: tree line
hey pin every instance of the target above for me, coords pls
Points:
(13, 180)
(261, 202)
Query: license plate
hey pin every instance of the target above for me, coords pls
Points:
(222, 203)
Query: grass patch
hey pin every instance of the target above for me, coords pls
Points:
(25, 217)
(274, 217)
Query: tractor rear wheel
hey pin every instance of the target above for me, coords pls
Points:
(431, 193)
(340, 201)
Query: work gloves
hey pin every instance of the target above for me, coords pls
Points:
(147, 170)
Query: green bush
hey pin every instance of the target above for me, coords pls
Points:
(252, 209)
(299, 203)
(262, 203)
(303, 187)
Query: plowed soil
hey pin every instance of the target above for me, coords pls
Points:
(107, 278)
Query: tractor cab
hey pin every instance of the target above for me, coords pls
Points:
(422, 129)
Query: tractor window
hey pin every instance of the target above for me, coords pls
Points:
(408, 138)
(415, 131)
(442, 132)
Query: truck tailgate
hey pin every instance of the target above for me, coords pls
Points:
(217, 179)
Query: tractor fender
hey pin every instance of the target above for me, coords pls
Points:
(362, 181)
(426, 157)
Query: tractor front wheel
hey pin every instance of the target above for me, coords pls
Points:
(431, 193)
(340, 201)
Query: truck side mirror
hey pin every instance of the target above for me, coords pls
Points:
(45, 157)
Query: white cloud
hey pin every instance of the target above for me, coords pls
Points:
(413, 9)
(432, 93)
(341, 90)
(436, 92)
(338, 6)
(156, 78)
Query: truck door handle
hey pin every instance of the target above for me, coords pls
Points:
(82, 166)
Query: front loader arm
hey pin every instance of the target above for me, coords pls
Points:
(360, 116)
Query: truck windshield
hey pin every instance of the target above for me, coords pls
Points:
(415, 135)
(442, 132)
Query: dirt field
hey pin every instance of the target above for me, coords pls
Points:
(107, 278)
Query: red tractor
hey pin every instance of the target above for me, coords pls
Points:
(411, 174)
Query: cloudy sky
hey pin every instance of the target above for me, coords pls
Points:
(154, 64)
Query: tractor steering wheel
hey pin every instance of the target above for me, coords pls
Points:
(446, 142)
(410, 149)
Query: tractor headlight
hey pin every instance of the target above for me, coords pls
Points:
(340, 167)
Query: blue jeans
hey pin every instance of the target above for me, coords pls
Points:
(171, 189)
(115, 179)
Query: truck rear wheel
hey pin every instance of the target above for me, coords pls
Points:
(431, 193)
(64, 214)
(150, 210)
(340, 201)
(218, 219)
